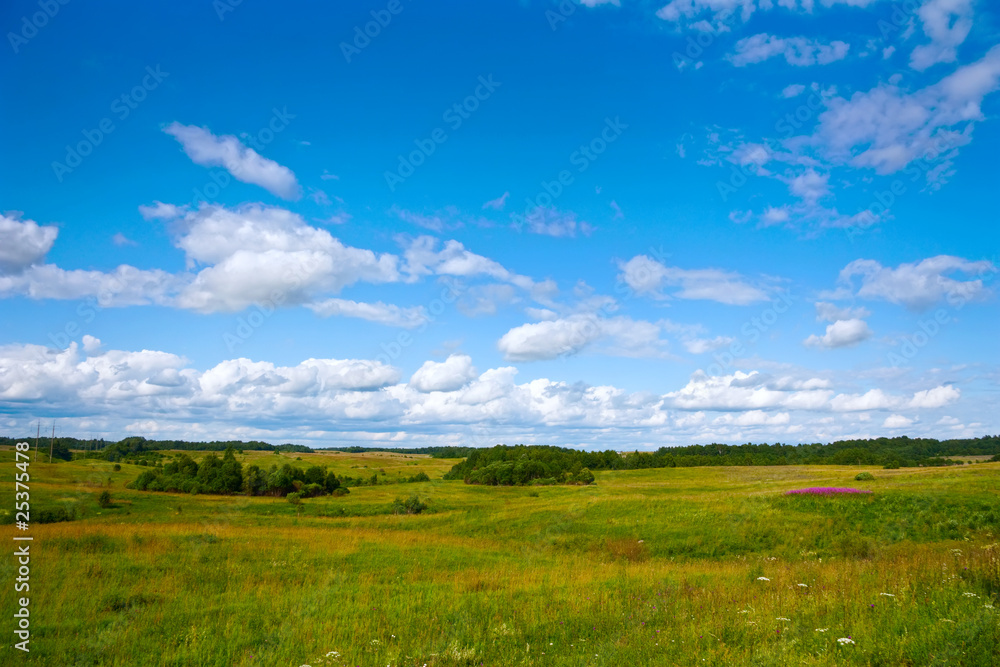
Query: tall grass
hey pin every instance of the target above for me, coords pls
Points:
(679, 566)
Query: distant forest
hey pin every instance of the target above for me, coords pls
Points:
(527, 464)
(560, 463)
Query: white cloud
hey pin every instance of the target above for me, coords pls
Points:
(842, 333)
(919, 285)
(262, 254)
(244, 163)
(897, 421)
(798, 51)
(793, 90)
(745, 391)
(498, 203)
(23, 243)
(724, 12)
(935, 398)
(120, 239)
(947, 23)
(124, 286)
(449, 375)
(422, 258)
(387, 314)
(161, 211)
(550, 222)
(886, 128)
(648, 276)
(622, 336)
(828, 312)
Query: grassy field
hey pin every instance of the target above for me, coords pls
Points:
(686, 566)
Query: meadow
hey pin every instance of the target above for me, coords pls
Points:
(672, 566)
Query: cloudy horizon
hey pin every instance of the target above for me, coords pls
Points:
(767, 225)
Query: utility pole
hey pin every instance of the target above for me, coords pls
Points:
(38, 432)
(52, 440)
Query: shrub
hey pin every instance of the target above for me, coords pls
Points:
(117, 467)
(54, 515)
(411, 505)
(294, 498)
(340, 491)
(864, 476)
(104, 500)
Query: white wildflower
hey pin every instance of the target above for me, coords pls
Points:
(802, 585)
(782, 619)
(763, 579)
(843, 641)
(821, 629)
(970, 595)
(888, 595)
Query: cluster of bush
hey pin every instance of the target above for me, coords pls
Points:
(375, 481)
(521, 465)
(227, 476)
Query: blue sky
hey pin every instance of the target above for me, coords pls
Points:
(597, 224)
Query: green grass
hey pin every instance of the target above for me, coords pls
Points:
(651, 567)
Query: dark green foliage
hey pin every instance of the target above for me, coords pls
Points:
(521, 464)
(864, 476)
(226, 475)
(294, 498)
(411, 505)
(53, 515)
(104, 499)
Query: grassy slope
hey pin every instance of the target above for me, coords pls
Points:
(502, 577)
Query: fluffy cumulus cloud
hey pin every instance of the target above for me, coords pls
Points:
(919, 285)
(566, 336)
(842, 333)
(258, 254)
(343, 400)
(449, 375)
(23, 243)
(243, 162)
(648, 276)
(946, 23)
(798, 51)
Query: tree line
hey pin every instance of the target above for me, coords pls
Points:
(538, 464)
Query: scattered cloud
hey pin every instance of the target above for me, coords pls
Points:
(498, 203)
(648, 276)
(842, 333)
(244, 163)
(25, 243)
(946, 23)
(450, 375)
(919, 285)
(798, 51)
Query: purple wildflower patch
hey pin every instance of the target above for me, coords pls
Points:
(825, 490)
